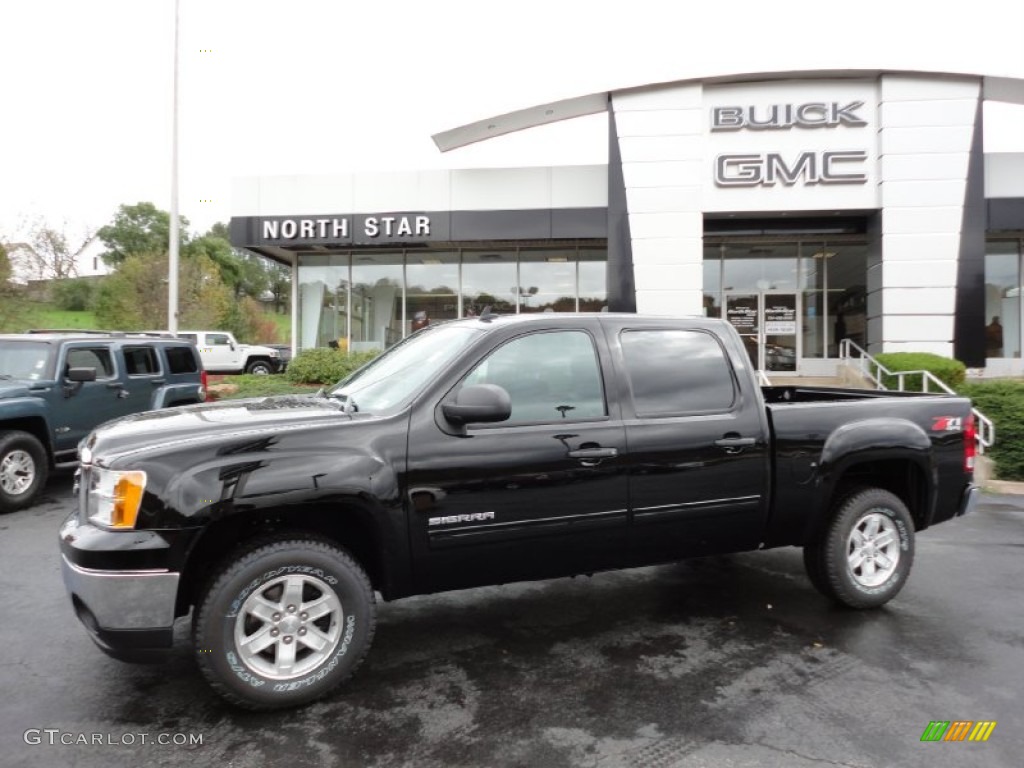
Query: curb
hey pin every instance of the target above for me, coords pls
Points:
(983, 475)
(1003, 488)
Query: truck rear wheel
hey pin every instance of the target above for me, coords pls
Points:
(864, 557)
(23, 469)
(284, 624)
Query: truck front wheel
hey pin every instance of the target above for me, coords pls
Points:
(284, 624)
(864, 557)
(259, 367)
(23, 469)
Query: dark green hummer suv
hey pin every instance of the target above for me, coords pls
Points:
(56, 387)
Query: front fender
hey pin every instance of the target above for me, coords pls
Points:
(22, 409)
(220, 486)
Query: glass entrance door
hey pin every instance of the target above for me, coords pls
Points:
(767, 324)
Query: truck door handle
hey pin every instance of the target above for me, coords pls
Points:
(115, 385)
(157, 382)
(735, 444)
(591, 457)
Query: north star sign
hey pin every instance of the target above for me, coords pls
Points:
(750, 169)
(340, 227)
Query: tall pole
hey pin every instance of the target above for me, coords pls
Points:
(172, 268)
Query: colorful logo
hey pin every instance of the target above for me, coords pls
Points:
(958, 730)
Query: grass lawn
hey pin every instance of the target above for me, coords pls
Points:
(48, 317)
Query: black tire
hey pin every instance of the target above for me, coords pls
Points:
(259, 367)
(814, 564)
(23, 469)
(868, 569)
(223, 618)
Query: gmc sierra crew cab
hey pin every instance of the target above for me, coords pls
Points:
(485, 451)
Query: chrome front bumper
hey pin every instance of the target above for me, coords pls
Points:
(122, 600)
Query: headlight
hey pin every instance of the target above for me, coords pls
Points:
(114, 497)
(274, 353)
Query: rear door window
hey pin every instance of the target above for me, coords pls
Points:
(677, 373)
(141, 361)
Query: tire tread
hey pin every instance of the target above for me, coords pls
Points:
(246, 556)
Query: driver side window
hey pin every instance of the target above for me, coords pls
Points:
(549, 377)
(90, 357)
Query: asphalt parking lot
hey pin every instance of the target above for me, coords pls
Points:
(731, 661)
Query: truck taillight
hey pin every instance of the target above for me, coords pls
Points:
(202, 386)
(970, 443)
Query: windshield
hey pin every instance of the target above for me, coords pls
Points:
(391, 379)
(24, 359)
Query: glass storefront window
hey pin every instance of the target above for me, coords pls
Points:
(488, 280)
(547, 281)
(323, 299)
(713, 280)
(847, 317)
(593, 280)
(1002, 298)
(371, 300)
(829, 280)
(432, 288)
(376, 306)
(759, 267)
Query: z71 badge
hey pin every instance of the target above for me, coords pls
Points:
(947, 424)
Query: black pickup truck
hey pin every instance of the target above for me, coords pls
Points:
(485, 451)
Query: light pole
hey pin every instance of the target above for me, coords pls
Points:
(172, 266)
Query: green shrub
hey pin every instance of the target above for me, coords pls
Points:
(325, 366)
(74, 295)
(1002, 400)
(947, 370)
(251, 385)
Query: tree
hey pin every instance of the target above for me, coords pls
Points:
(139, 230)
(252, 273)
(220, 252)
(48, 252)
(133, 296)
(55, 252)
(14, 315)
(280, 286)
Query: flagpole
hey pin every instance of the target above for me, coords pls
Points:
(172, 267)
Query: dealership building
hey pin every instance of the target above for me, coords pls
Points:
(803, 207)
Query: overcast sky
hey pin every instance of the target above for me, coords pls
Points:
(322, 86)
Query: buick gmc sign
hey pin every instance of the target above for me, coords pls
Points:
(807, 167)
(814, 114)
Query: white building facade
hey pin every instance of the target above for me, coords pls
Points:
(805, 208)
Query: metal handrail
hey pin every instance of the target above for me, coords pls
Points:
(875, 372)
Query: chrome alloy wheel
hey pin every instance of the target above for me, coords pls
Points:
(873, 549)
(17, 472)
(288, 627)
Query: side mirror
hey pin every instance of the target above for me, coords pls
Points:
(81, 374)
(76, 376)
(477, 404)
